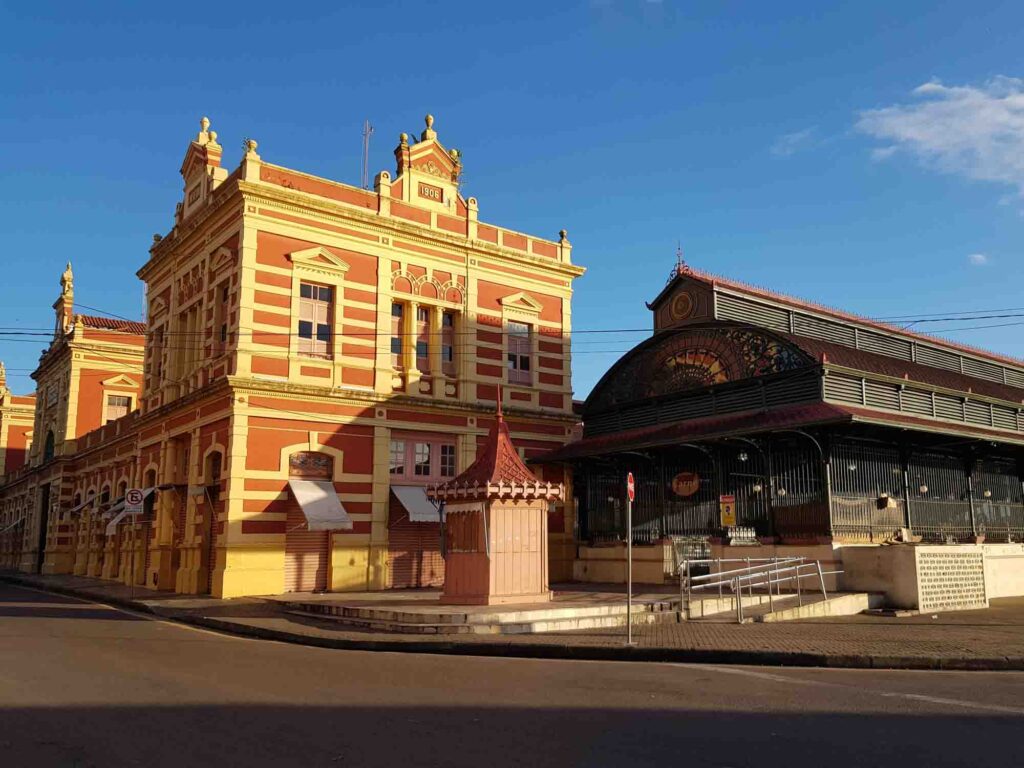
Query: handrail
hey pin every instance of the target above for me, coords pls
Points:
(770, 572)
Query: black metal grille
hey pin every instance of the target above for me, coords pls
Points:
(998, 502)
(940, 507)
(867, 491)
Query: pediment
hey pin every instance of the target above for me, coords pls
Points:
(158, 307)
(120, 381)
(222, 257)
(318, 259)
(194, 161)
(521, 302)
(429, 158)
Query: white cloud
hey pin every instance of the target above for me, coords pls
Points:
(971, 131)
(790, 143)
(977, 259)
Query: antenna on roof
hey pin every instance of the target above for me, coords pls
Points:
(364, 175)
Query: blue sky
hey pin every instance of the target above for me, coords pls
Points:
(865, 155)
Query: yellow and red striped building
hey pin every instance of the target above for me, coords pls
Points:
(300, 334)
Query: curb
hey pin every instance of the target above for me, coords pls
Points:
(559, 652)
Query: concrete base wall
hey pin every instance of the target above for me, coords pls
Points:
(1004, 570)
(607, 564)
(891, 570)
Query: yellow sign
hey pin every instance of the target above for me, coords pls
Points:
(727, 510)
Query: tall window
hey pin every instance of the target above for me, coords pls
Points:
(448, 343)
(423, 339)
(315, 320)
(397, 463)
(519, 348)
(158, 356)
(421, 458)
(118, 406)
(397, 329)
(447, 460)
(220, 315)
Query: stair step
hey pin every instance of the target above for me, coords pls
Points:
(497, 628)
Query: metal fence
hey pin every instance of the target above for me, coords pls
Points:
(867, 501)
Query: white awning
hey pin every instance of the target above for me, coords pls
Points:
(321, 505)
(19, 520)
(112, 525)
(114, 508)
(414, 499)
(83, 505)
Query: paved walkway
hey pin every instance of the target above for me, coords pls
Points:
(990, 639)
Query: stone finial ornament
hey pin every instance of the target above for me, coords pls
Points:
(3, 372)
(67, 281)
(157, 237)
(204, 124)
(429, 133)
(403, 139)
(563, 235)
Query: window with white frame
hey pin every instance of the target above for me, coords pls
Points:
(519, 350)
(315, 305)
(118, 406)
(397, 462)
(422, 459)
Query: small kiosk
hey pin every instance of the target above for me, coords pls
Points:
(496, 532)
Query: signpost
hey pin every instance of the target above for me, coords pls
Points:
(134, 499)
(630, 495)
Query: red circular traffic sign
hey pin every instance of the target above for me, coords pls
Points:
(630, 486)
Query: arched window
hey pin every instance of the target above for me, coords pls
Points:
(48, 446)
(150, 500)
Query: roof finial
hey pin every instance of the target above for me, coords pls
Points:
(429, 133)
(67, 281)
(680, 268)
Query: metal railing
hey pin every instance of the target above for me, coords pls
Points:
(770, 572)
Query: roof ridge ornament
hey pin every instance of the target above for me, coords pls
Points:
(429, 133)
(681, 267)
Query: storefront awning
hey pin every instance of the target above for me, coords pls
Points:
(116, 506)
(19, 520)
(321, 505)
(112, 525)
(414, 499)
(122, 512)
(82, 505)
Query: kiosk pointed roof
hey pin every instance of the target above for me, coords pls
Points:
(497, 473)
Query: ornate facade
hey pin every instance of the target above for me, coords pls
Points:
(301, 334)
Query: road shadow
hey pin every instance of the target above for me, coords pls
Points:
(440, 734)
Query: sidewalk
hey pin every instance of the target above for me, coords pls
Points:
(990, 639)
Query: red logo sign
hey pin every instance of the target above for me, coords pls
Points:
(630, 486)
(686, 484)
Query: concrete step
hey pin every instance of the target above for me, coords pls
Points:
(562, 624)
(488, 617)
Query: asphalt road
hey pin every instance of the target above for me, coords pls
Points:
(86, 685)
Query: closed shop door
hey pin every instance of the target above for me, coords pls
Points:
(414, 551)
(305, 554)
